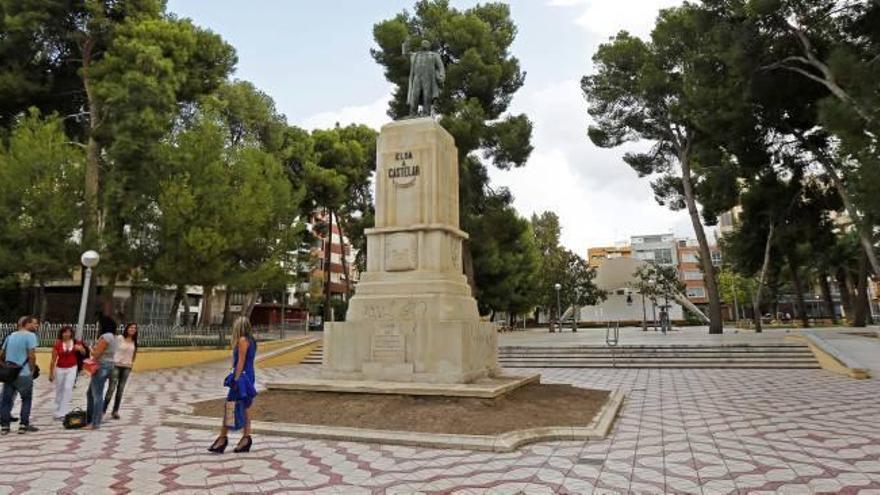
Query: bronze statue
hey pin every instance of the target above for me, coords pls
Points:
(426, 74)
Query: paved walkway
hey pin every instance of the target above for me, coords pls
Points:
(680, 431)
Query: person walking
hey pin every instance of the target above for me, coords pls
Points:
(103, 353)
(63, 369)
(123, 361)
(242, 390)
(19, 349)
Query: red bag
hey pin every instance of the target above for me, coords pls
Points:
(90, 365)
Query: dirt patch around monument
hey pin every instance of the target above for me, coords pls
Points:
(531, 406)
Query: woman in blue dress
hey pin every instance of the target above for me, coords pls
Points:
(242, 389)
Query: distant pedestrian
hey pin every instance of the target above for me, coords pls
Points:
(63, 369)
(103, 352)
(19, 349)
(123, 361)
(242, 391)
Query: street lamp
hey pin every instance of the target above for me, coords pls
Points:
(308, 318)
(558, 286)
(89, 259)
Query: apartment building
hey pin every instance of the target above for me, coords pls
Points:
(597, 255)
(690, 269)
(656, 248)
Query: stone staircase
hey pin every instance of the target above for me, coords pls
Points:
(779, 356)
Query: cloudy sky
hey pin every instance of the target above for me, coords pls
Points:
(313, 58)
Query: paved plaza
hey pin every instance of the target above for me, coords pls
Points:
(680, 431)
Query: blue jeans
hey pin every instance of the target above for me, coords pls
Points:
(24, 385)
(96, 393)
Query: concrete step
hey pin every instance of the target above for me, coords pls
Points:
(769, 356)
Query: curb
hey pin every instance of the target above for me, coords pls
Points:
(831, 358)
(598, 428)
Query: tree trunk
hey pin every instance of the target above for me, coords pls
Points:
(250, 301)
(179, 293)
(825, 287)
(207, 308)
(716, 326)
(342, 256)
(860, 311)
(799, 292)
(328, 243)
(865, 237)
(108, 302)
(43, 304)
(91, 227)
(227, 311)
(845, 293)
(756, 301)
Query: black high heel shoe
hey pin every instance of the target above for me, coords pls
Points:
(219, 445)
(242, 446)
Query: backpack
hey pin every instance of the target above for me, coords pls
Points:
(75, 419)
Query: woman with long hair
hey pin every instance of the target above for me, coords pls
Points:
(63, 369)
(103, 353)
(123, 361)
(241, 383)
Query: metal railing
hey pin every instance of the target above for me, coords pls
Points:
(156, 335)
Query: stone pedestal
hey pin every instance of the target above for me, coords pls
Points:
(413, 318)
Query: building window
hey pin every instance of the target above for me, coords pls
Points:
(696, 292)
(689, 258)
(663, 256)
(716, 258)
(693, 275)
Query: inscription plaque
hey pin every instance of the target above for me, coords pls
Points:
(388, 346)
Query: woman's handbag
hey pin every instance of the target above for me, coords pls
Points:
(90, 365)
(229, 414)
(75, 419)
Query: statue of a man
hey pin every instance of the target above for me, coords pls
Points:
(426, 74)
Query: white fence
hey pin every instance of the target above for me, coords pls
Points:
(152, 335)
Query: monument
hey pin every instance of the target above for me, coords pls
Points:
(413, 317)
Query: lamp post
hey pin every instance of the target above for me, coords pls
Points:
(308, 318)
(558, 306)
(89, 259)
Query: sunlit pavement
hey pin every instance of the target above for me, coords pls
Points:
(680, 431)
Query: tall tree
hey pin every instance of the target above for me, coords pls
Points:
(558, 265)
(40, 171)
(644, 90)
(509, 281)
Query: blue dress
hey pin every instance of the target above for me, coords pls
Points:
(243, 390)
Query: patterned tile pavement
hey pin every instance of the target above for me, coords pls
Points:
(680, 431)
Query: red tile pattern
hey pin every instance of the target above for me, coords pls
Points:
(680, 431)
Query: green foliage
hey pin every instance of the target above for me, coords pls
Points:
(735, 287)
(558, 265)
(227, 214)
(40, 171)
(657, 281)
(506, 248)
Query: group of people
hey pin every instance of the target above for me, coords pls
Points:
(110, 359)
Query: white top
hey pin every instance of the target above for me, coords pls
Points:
(124, 352)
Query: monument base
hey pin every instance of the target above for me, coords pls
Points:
(486, 388)
(425, 351)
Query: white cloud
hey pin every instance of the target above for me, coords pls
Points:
(372, 114)
(600, 200)
(605, 18)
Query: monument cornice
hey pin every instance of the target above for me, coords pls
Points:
(419, 227)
